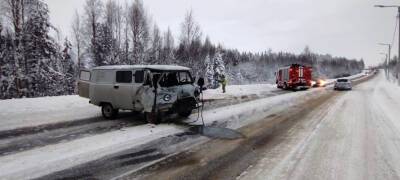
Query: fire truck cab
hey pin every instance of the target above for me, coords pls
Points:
(295, 77)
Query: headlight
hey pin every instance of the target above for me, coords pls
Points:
(167, 97)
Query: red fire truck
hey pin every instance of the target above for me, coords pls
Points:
(295, 77)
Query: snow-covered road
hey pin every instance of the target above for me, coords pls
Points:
(358, 137)
(344, 135)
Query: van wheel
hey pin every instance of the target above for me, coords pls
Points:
(108, 111)
(152, 118)
(186, 113)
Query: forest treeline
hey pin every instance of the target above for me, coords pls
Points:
(35, 63)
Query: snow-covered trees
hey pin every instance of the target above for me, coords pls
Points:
(209, 74)
(78, 38)
(215, 69)
(31, 59)
(34, 64)
(219, 65)
(69, 69)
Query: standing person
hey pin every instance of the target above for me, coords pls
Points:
(223, 81)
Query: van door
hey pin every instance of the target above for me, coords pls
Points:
(137, 89)
(84, 83)
(122, 90)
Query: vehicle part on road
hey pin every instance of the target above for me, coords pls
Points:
(212, 132)
(217, 132)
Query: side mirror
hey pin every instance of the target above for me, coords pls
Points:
(200, 82)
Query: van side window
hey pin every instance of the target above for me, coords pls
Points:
(124, 76)
(139, 76)
(84, 75)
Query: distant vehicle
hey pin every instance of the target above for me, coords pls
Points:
(133, 88)
(343, 84)
(295, 77)
(319, 83)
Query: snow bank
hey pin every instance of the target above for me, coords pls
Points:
(17, 113)
(239, 90)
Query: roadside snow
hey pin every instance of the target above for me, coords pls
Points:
(239, 90)
(18, 113)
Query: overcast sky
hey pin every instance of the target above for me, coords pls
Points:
(349, 28)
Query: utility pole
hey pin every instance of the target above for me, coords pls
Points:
(386, 58)
(398, 29)
(390, 50)
(398, 16)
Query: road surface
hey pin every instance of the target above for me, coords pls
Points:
(340, 135)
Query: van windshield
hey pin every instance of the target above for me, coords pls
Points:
(342, 80)
(175, 78)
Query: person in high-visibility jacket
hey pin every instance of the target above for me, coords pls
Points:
(224, 82)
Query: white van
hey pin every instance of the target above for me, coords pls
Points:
(132, 87)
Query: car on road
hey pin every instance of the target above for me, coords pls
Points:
(343, 84)
(151, 89)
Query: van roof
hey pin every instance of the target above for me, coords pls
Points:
(153, 67)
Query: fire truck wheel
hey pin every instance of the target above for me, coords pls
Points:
(285, 87)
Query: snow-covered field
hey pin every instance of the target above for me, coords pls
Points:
(38, 111)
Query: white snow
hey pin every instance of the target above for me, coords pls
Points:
(31, 112)
(41, 161)
(17, 113)
(239, 90)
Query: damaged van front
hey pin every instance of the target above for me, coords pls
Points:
(173, 91)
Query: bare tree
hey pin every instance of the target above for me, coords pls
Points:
(156, 45)
(168, 47)
(140, 32)
(126, 35)
(77, 35)
(190, 30)
(93, 12)
(114, 20)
